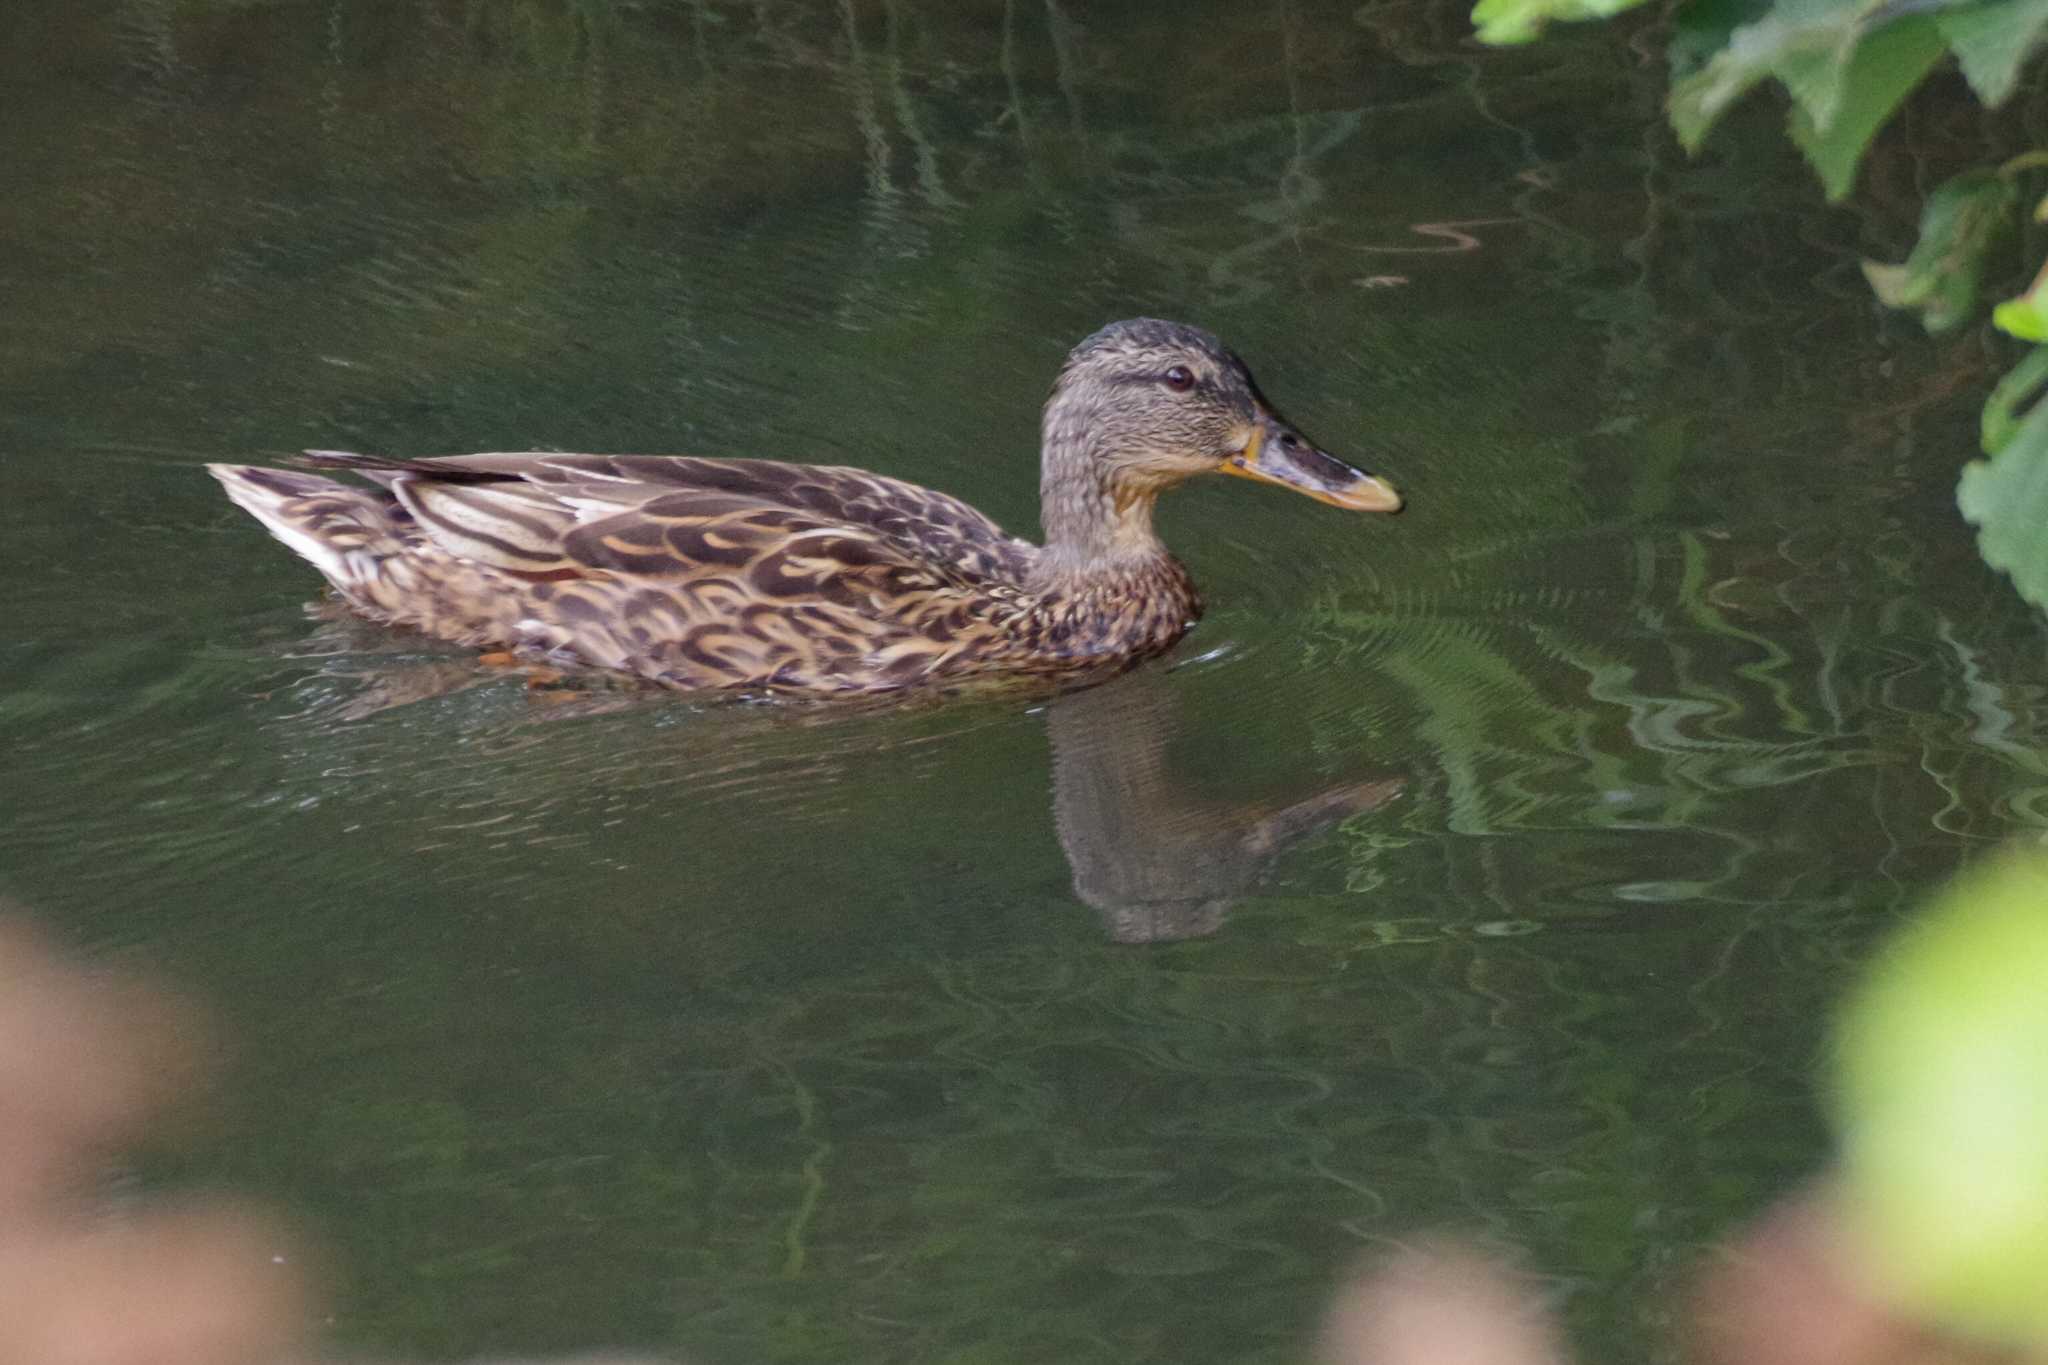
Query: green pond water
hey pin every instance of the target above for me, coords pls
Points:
(1106, 1030)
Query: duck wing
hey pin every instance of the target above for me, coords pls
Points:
(699, 573)
(659, 515)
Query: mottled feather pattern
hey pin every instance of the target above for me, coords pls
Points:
(703, 574)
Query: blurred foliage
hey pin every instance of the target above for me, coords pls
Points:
(1939, 280)
(1848, 65)
(1941, 1103)
(1521, 21)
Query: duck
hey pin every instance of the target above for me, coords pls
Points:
(804, 580)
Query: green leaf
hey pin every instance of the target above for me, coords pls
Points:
(1506, 22)
(2026, 317)
(2022, 317)
(1881, 72)
(1993, 40)
(1941, 1104)
(1959, 223)
(1753, 53)
(1815, 71)
(2022, 385)
(1896, 286)
(1703, 27)
(2006, 497)
(1816, 49)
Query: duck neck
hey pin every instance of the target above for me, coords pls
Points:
(1103, 586)
(1095, 529)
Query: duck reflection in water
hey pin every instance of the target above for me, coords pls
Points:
(1155, 863)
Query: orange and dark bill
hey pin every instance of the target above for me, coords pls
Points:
(1275, 452)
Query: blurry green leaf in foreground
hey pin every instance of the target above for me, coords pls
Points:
(1942, 1107)
(2019, 390)
(2006, 497)
(1993, 40)
(1701, 28)
(1845, 76)
(1808, 45)
(1754, 53)
(1519, 21)
(2026, 317)
(1958, 224)
(1882, 70)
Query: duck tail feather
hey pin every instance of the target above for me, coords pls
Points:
(341, 531)
(384, 468)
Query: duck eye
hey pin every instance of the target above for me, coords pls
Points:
(1179, 379)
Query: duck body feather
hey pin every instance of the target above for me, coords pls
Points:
(696, 573)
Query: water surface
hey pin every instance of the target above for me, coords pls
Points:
(1102, 1031)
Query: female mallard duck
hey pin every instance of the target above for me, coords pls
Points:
(808, 579)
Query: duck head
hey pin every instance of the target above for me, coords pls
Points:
(1143, 405)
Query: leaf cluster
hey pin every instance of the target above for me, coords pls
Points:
(1847, 66)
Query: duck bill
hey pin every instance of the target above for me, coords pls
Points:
(1275, 452)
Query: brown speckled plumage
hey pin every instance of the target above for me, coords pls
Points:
(808, 579)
